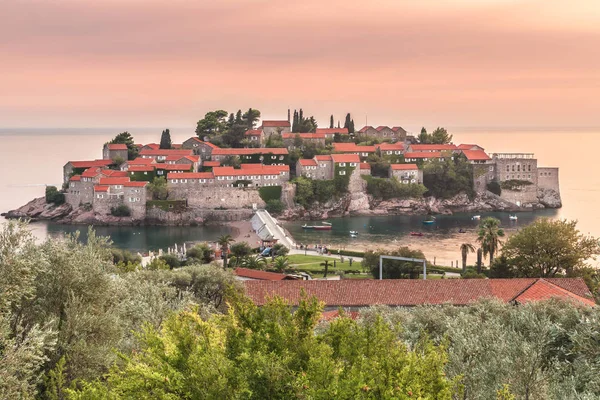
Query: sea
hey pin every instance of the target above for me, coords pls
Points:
(30, 159)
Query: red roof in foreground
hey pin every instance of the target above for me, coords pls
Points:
(402, 167)
(261, 275)
(113, 173)
(345, 158)
(274, 124)
(307, 163)
(114, 181)
(407, 292)
(476, 155)
(117, 146)
(100, 188)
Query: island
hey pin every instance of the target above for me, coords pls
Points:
(295, 170)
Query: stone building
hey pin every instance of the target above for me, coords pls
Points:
(368, 131)
(77, 167)
(251, 155)
(406, 173)
(199, 147)
(255, 136)
(390, 149)
(80, 189)
(114, 152)
(421, 156)
(400, 132)
(248, 175)
(331, 132)
(161, 155)
(275, 127)
(110, 193)
(351, 148)
(290, 138)
(385, 132)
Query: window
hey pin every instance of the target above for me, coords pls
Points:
(118, 187)
(195, 144)
(173, 180)
(491, 168)
(353, 164)
(343, 164)
(342, 172)
(529, 168)
(528, 176)
(72, 184)
(184, 181)
(508, 168)
(519, 167)
(281, 157)
(513, 168)
(131, 172)
(273, 157)
(145, 172)
(322, 165)
(220, 178)
(100, 196)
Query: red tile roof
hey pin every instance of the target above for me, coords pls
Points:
(190, 175)
(116, 146)
(239, 152)
(135, 184)
(423, 154)
(467, 146)
(276, 124)
(166, 152)
(173, 167)
(365, 166)
(476, 155)
(432, 147)
(141, 161)
(390, 146)
(261, 275)
(211, 163)
(382, 127)
(140, 168)
(544, 290)
(75, 178)
(89, 164)
(345, 158)
(307, 163)
(407, 292)
(398, 128)
(114, 181)
(352, 148)
(365, 128)
(113, 173)
(203, 142)
(253, 132)
(304, 136)
(153, 146)
(91, 172)
(332, 131)
(256, 170)
(323, 157)
(402, 167)
(100, 188)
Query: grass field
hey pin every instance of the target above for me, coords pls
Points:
(313, 263)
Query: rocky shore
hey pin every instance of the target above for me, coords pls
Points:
(355, 203)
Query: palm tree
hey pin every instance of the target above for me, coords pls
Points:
(465, 249)
(254, 262)
(223, 242)
(489, 236)
(281, 264)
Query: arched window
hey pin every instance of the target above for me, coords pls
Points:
(529, 167)
(508, 168)
(519, 167)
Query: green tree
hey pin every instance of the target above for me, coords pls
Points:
(331, 121)
(547, 248)
(448, 178)
(254, 262)
(489, 235)
(479, 260)
(440, 136)
(53, 196)
(241, 249)
(158, 264)
(224, 241)
(165, 139)
(199, 254)
(126, 139)
(465, 249)
(394, 269)
(424, 137)
(279, 250)
(281, 263)
(213, 123)
(251, 117)
(275, 206)
(158, 188)
(171, 260)
(304, 191)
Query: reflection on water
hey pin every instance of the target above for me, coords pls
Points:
(137, 238)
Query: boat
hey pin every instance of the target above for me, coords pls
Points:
(513, 217)
(461, 230)
(428, 222)
(354, 233)
(317, 227)
(326, 223)
(416, 234)
(476, 217)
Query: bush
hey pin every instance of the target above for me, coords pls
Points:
(171, 260)
(157, 264)
(514, 184)
(200, 253)
(279, 250)
(53, 196)
(240, 249)
(275, 206)
(384, 188)
(125, 256)
(350, 253)
(120, 211)
(268, 193)
(495, 188)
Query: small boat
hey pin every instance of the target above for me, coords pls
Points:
(317, 227)
(354, 232)
(461, 230)
(326, 223)
(476, 217)
(428, 222)
(416, 234)
(353, 235)
(513, 217)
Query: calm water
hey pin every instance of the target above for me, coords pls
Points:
(30, 159)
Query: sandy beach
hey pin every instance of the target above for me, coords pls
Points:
(243, 232)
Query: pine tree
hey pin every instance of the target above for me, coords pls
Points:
(295, 123)
(165, 139)
(347, 122)
(351, 127)
(331, 121)
(338, 124)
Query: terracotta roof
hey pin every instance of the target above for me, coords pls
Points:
(307, 163)
(402, 167)
(209, 144)
(345, 158)
(153, 146)
(113, 173)
(75, 178)
(467, 146)
(352, 147)
(89, 164)
(258, 170)
(544, 290)
(423, 154)
(398, 129)
(275, 124)
(407, 292)
(166, 152)
(305, 136)
(432, 147)
(323, 157)
(211, 163)
(266, 167)
(116, 146)
(237, 152)
(100, 188)
(390, 146)
(329, 131)
(261, 275)
(173, 167)
(365, 166)
(140, 168)
(141, 161)
(365, 128)
(190, 175)
(253, 132)
(91, 172)
(114, 181)
(135, 184)
(476, 155)
(382, 127)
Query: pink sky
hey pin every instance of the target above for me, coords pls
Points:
(73, 63)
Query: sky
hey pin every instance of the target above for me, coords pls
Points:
(150, 63)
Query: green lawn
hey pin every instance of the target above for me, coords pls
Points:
(313, 263)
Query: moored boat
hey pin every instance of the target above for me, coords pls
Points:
(354, 232)
(416, 234)
(513, 217)
(476, 217)
(428, 222)
(317, 227)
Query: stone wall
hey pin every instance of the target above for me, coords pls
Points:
(288, 192)
(524, 169)
(548, 178)
(103, 205)
(528, 194)
(192, 216)
(217, 197)
(482, 176)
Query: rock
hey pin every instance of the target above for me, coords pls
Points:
(549, 198)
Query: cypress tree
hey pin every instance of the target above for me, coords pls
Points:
(351, 127)
(295, 123)
(331, 121)
(165, 139)
(347, 122)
